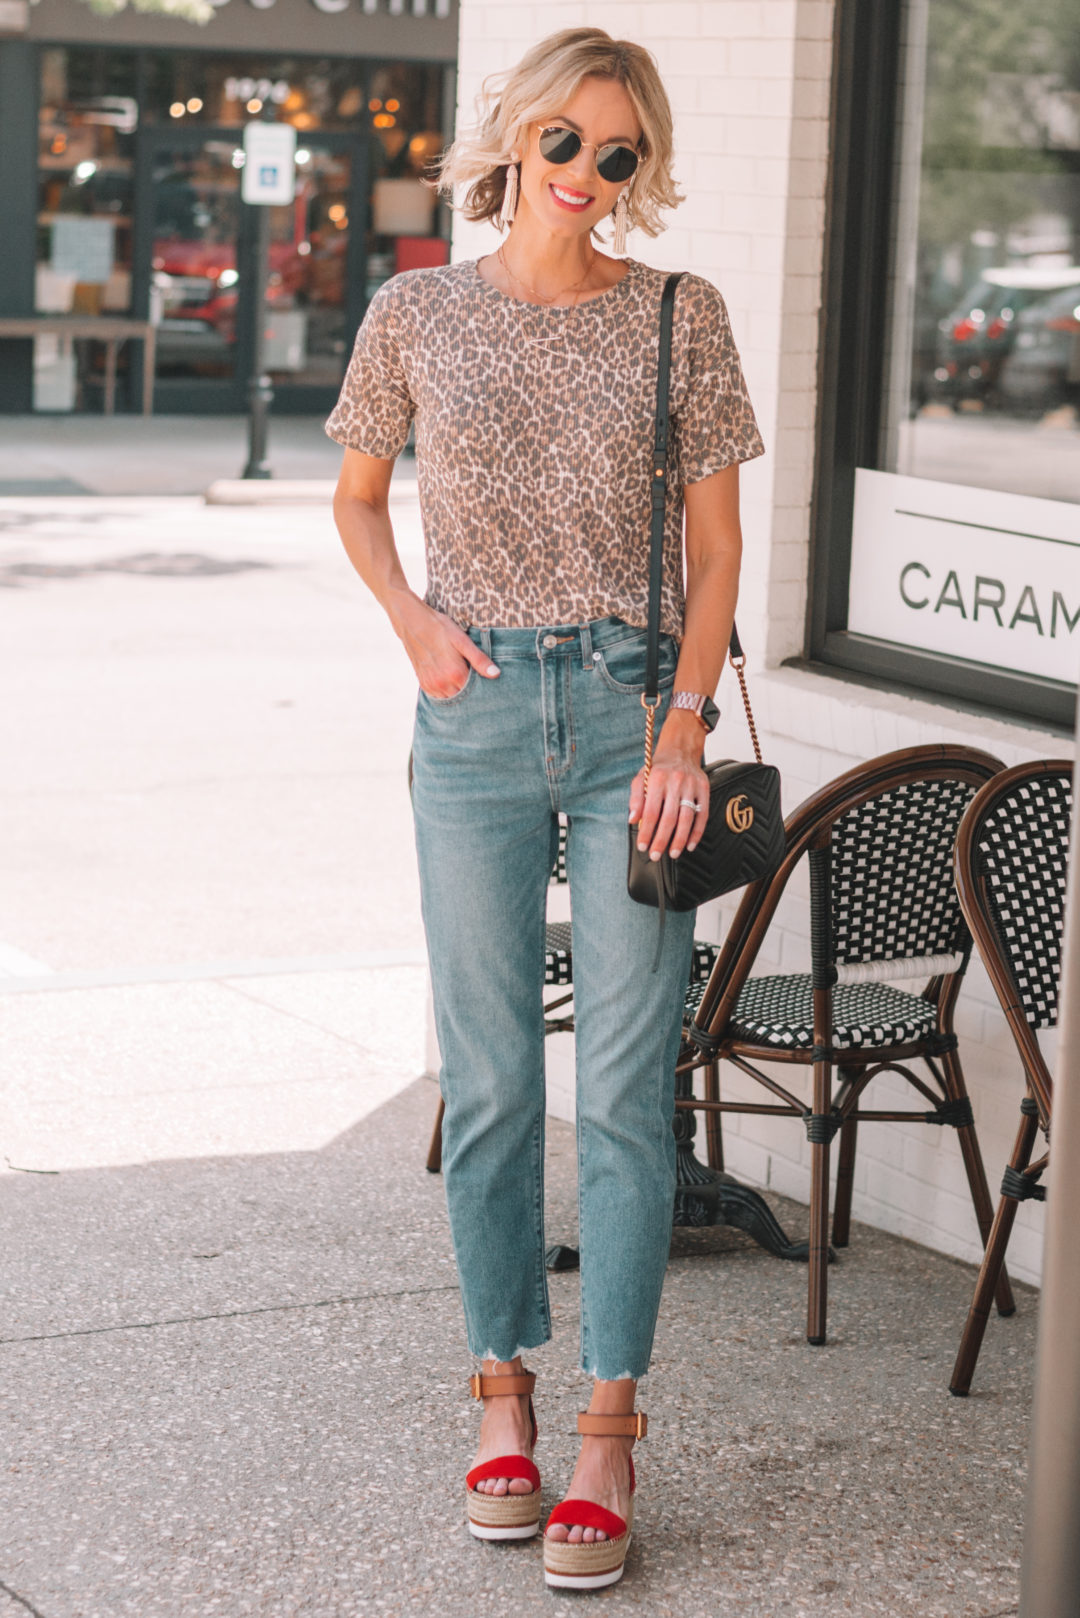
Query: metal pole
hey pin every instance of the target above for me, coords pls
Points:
(260, 390)
(1050, 1577)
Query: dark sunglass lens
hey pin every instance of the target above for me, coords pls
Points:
(616, 163)
(559, 145)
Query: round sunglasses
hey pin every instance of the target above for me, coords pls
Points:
(614, 163)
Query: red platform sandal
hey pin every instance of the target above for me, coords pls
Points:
(504, 1516)
(590, 1566)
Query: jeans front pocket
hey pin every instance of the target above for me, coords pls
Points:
(622, 664)
(455, 696)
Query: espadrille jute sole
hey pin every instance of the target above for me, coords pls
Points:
(587, 1566)
(503, 1516)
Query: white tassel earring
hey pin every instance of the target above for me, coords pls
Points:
(622, 223)
(510, 196)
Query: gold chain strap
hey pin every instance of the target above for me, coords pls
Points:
(650, 727)
(738, 664)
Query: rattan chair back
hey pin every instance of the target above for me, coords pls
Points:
(1011, 859)
(881, 838)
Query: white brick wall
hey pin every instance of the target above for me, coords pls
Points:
(750, 82)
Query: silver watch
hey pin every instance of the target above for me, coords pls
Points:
(696, 703)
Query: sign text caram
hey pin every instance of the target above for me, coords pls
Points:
(973, 573)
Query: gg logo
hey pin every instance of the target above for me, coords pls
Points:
(739, 814)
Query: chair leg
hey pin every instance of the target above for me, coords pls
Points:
(714, 1129)
(845, 1180)
(956, 1089)
(818, 1282)
(991, 1268)
(434, 1157)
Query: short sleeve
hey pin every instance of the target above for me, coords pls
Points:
(375, 407)
(714, 424)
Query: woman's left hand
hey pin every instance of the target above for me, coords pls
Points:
(665, 822)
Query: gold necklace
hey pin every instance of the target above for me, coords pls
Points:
(539, 296)
(548, 303)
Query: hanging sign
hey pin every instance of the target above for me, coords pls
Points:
(269, 163)
(974, 573)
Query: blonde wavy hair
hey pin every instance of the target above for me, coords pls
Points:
(543, 81)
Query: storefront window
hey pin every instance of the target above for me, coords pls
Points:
(953, 556)
(158, 134)
(405, 112)
(86, 153)
(986, 354)
(187, 87)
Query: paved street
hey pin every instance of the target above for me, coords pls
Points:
(231, 1376)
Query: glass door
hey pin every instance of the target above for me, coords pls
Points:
(195, 230)
(195, 245)
(313, 300)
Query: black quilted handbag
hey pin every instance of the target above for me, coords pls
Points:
(744, 837)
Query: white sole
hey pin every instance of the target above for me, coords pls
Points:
(527, 1530)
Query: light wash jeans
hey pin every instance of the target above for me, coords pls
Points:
(560, 730)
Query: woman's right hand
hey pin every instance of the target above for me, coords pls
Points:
(440, 651)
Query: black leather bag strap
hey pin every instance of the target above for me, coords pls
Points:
(661, 437)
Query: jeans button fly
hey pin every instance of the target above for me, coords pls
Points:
(550, 641)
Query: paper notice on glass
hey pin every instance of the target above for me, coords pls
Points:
(82, 247)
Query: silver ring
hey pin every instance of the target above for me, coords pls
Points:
(688, 803)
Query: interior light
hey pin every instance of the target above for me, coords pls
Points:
(238, 157)
(228, 278)
(336, 211)
(303, 156)
(254, 105)
(303, 248)
(83, 171)
(194, 105)
(177, 109)
(59, 145)
(393, 106)
(375, 106)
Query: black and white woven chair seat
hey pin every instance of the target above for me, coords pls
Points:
(559, 963)
(779, 1011)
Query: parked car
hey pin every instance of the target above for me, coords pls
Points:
(977, 338)
(1042, 370)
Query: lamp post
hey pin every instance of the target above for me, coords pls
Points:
(260, 390)
(269, 179)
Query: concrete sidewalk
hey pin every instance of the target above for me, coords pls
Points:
(231, 1351)
(236, 1384)
(159, 455)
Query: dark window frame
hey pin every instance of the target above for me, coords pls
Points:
(851, 373)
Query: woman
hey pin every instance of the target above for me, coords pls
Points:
(531, 374)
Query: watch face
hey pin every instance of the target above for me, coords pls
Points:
(710, 713)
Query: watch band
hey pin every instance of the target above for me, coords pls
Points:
(693, 701)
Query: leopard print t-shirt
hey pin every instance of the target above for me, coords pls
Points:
(534, 431)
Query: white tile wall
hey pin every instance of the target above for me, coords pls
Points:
(750, 83)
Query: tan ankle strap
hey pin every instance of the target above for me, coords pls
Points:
(485, 1387)
(635, 1425)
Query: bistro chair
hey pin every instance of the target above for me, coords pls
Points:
(1011, 856)
(879, 841)
(559, 974)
